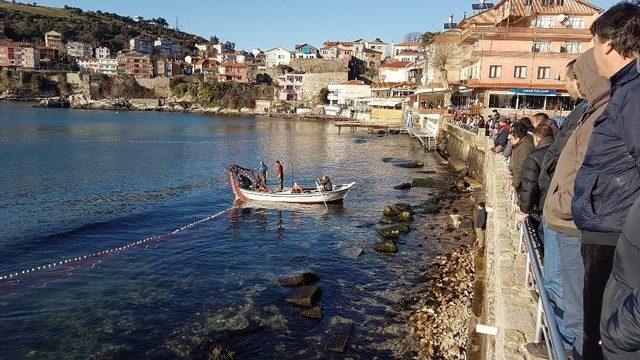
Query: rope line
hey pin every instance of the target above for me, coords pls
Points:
(132, 141)
(17, 274)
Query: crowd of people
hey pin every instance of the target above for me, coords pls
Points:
(579, 184)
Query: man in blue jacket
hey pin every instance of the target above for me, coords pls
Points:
(608, 182)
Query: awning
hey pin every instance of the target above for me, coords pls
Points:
(385, 102)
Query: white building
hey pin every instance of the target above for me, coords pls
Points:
(339, 94)
(108, 66)
(164, 47)
(102, 52)
(395, 72)
(79, 49)
(89, 64)
(278, 56)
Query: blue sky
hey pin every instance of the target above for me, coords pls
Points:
(267, 23)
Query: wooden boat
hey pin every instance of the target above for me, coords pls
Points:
(309, 196)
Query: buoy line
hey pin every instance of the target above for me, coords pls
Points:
(131, 141)
(54, 264)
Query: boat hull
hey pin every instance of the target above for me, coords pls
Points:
(315, 197)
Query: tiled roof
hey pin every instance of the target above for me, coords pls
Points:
(367, 50)
(354, 82)
(518, 8)
(393, 85)
(411, 43)
(410, 52)
(234, 64)
(397, 64)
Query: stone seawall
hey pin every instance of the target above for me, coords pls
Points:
(507, 304)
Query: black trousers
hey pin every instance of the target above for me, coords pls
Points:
(598, 262)
(281, 180)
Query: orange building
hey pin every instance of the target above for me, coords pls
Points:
(135, 64)
(516, 52)
(232, 71)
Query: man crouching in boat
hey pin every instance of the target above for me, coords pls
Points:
(324, 183)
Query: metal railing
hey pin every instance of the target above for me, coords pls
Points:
(546, 325)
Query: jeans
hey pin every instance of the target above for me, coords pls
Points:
(572, 269)
(598, 263)
(553, 279)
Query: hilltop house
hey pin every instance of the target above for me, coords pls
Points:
(79, 50)
(53, 39)
(134, 64)
(141, 45)
(278, 56)
(337, 50)
(15, 55)
(306, 51)
(399, 72)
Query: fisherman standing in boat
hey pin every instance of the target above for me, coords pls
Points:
(280, 174)
(262, 174)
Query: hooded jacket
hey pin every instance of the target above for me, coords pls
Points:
(557, 206)
(608, 183)
(530, 194)
(619, 326)
(519, 154)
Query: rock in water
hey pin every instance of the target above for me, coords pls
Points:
(300, 279)
(386, 247)
(423, 182)
(314, 313)
(403, 186)
(338, 337)
(305, 296)
(405, 216)
(386, 221)
(403, 228)
(404, 207)
(389, 232)
(410, 165)
(220, 352)
(390, 211)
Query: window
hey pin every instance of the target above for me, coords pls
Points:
(495, 71)
(573, 47)
(544, 72)
(541, 46)
(575, 22)
(520, 72)
(544, 21)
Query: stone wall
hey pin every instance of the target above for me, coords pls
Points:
(320, 65)
(465, 148)
(312, 84)
(160, 85)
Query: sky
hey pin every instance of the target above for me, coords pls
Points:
(268, 23)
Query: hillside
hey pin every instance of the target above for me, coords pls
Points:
(24, 22)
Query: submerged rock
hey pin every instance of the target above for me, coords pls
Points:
(405, 216)
(403, 186)
(338, 336)
(386, 247)
(314, 312)
(410, 165)
(403, 228)
(423, 182)
(389, 233)
(305, 296)
(220, 352)
(386, 221)
(300, 279)
(404, 207)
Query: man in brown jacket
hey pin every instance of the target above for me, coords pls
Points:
(557, 207)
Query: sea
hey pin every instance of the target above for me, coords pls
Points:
(127, 243)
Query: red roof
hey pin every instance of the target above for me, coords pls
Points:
(411, 43)
(397, 64)
(234, 64)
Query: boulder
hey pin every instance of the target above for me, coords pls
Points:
(403, 228)
(386, 221)
(313, 313)
(299, 280)
(404, 207)
(410, 164)
(423, 182)
(403, 186)
(390, 211)
(405, 216)
(220, 352)
(338, 336)
(305, 296)
(389, 233)
(386, 247)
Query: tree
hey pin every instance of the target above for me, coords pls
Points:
(414, 36)
(323, 95)
(228, 46)
(428, 36)
(214, 40)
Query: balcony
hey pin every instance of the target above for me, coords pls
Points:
(473, 34)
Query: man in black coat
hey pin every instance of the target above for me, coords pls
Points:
(531, 202)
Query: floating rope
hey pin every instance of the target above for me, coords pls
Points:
(17, 274)
(132, 141)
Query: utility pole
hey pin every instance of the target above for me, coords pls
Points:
(177, 27)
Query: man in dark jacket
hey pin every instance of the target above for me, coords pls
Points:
(530, 199)
(522, 147)
(619, 326)
(608, 183)
(553, 153)
(481, 225)
(502, 137)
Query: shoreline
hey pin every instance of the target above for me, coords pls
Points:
(124, 104)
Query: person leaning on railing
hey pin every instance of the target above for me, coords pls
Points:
(557, 205)
(608, 183)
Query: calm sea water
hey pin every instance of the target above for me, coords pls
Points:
(77, 182)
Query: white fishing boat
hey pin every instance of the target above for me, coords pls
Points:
(307, 196)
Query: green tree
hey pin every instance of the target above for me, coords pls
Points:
(323, 95)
